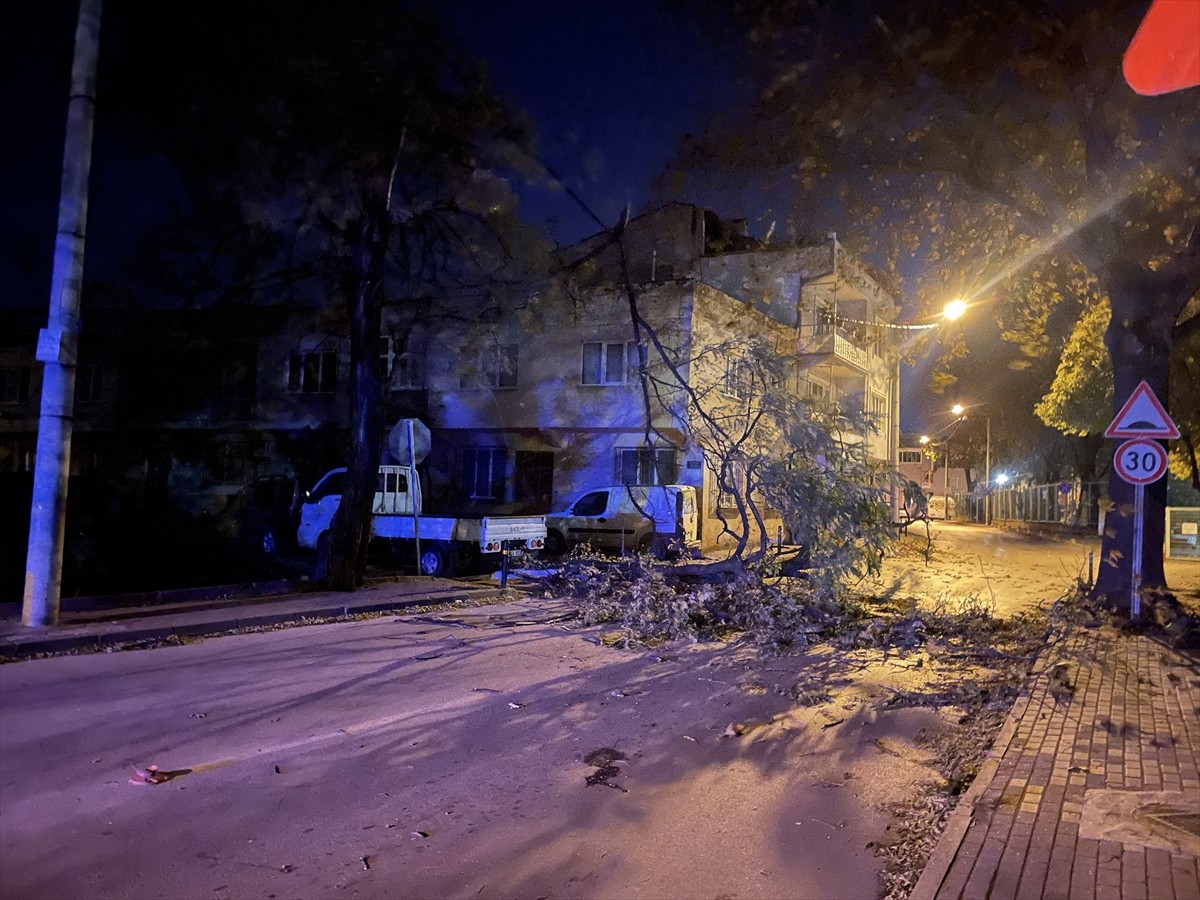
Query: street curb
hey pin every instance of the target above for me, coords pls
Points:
(946, 849)
(33, 646)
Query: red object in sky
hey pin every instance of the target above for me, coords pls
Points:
(1164, 55)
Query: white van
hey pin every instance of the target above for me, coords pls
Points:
(646, 518)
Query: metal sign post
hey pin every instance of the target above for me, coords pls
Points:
(1135, 584)
(1139, 462)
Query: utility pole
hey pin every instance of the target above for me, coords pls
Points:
(946, 483)
(59, 340)
(987, 476)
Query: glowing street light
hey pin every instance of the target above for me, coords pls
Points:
(957, 409)
(954, 310)
(1002, 478)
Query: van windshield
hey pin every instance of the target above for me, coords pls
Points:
(331, 486)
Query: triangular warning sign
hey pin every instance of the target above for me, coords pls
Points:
(1142, 416)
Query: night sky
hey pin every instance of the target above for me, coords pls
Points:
(609, 90)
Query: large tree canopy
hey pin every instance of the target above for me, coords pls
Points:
(988, 151)
(344, 158)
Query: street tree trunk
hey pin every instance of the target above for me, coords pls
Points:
(350, 531)
(1139, 340)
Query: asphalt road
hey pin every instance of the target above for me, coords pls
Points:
(450, 757)
(439, 758)
(1010, 570)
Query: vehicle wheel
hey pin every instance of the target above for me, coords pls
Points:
(555, 545)
(437, 559)
(646, 544)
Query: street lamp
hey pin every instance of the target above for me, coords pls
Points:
(958, 410)
(954, 310)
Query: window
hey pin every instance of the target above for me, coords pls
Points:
(331, 486)
(823, 321)
(608, 363)
(483, 471)
(592, 504)
(401, 366)
(237, 378)
(312, 373)
(391, 483)
(738, 381)
(910, 456)
(645, 466)
(14, 384)
(818, 391)
(878, 409)
(734, 483)
(88, 384)
(497, 368)
(228, 464)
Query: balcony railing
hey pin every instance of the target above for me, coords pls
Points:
(841, 345)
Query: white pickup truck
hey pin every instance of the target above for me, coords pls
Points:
(442, 541)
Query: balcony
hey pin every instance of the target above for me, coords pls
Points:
(833, 348)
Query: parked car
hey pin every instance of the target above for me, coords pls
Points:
(659, 519)
(263, 515)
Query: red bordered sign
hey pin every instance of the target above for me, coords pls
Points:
(1140, 461)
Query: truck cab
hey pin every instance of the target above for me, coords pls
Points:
(440, 542)
(659, 519)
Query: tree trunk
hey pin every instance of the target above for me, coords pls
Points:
(350, 531)
(1139, 340)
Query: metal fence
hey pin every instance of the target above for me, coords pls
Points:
(1072, 503)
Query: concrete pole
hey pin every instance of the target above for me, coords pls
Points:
(987, 476)
(946, 483)
(58, 341)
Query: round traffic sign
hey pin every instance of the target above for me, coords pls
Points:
(1140, 461)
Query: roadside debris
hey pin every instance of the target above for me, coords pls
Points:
(366, 861)
(148, 775)
(512, 705)
(604, 759)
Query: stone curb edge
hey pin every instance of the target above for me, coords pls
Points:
(150, 632)
(946, 849)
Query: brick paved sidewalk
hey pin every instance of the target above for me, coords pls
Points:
(1092, 788)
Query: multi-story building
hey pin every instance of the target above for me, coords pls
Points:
(545, 401)
(529, 400)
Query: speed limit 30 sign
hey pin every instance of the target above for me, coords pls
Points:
(1140, 461)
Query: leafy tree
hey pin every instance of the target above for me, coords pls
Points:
(349, 160)
(1081, 396)
(996, 148)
